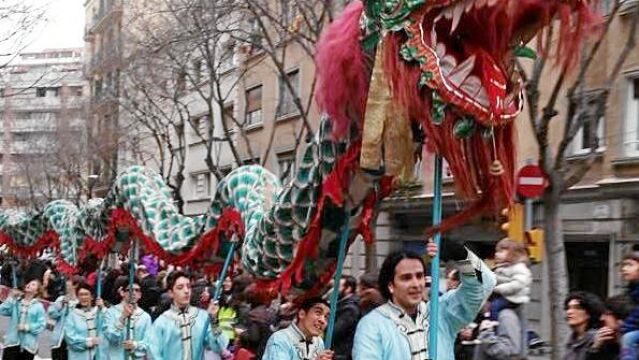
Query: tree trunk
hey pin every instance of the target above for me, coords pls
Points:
(557, 272)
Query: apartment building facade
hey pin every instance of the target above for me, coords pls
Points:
(103, 63)
(43, 108)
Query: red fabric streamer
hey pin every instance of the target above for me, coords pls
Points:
(342, 71)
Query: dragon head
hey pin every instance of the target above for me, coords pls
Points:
(450, 68)
(466, 49)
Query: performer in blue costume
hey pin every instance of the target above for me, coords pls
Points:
(28, 320)
(58, 312)
(302, 339)
(183, 331)
(398, 330)
(116, 320)
(81, 328)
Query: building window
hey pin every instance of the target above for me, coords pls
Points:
(583, 138)
(41, 92)
(227, 51)
(286, 104)
(419, 172)
(286, 166)
(197, 71)
(228, 118)
(587, 104)
(253, 106)
(180, 81)
(201, 185)
(225, 170)
(631, 133)
(55, 91)
(253, 161)
(200, 125)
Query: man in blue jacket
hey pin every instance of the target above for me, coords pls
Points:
(302, 339)
(398, 330)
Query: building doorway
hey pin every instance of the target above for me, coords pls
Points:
(587, 264)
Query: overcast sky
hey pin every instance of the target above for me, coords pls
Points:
(64, 28)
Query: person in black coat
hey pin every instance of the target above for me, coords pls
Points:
(347, 316)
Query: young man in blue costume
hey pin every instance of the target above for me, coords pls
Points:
(116, 320)
(302, 339)
(183, 331)
(398, 330)
(28, 320)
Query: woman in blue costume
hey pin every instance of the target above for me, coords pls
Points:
(116, 319)
(58, 312)
(81, 327)
(184, 331)
(28, 320)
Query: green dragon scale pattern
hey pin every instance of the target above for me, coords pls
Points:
(275, 218)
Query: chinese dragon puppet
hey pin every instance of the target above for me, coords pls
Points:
(392, 75)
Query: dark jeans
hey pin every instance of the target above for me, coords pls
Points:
(499, 303)
(60, 353)
(16, 353)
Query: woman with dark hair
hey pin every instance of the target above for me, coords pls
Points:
(81, 328)
(583, 314)
(126, 313)
(28, 320)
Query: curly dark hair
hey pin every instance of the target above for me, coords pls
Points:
(591, 303)
(387, 272)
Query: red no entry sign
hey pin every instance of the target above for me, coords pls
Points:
(531, 181)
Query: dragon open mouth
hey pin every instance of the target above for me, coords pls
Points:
(469, 50)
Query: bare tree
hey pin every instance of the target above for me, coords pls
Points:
(201, 52)
(272, 29)
(587, 103)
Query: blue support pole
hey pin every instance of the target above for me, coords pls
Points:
(218, 286)
(434, 265)
(341, 256)
(225, 269)
(98, 316)
(14, 276)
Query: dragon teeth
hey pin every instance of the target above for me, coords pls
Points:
(448, 63)
(458, 11)
(440, 49)
(472, 85)
(461, 72)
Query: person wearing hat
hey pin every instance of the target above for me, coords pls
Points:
(28, 320)
(302, 340)
(117, 318)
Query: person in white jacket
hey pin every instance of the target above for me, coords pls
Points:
(513, 277)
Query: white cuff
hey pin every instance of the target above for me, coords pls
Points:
(471, 264)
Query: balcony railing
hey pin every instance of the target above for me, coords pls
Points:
(105, 12)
